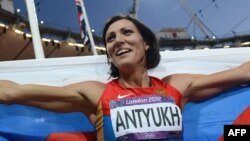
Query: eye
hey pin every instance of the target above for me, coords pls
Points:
(127, 32)
(110, 38)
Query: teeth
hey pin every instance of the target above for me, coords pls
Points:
(121, 51)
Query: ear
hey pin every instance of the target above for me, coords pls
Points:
(146, 46)
(109, 60)
(108, 57)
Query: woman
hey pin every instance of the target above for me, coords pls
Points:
(134, 105)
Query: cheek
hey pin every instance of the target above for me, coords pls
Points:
(141, 47)
(109, 53)
(109, 50)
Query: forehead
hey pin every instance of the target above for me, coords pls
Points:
(120, 24)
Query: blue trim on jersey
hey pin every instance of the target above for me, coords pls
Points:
(107, 129)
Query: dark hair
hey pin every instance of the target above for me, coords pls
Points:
(152, 54)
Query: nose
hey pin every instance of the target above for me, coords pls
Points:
(118, 40)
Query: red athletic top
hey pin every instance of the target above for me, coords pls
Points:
(114, 91)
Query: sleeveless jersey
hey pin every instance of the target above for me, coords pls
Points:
(114, 91)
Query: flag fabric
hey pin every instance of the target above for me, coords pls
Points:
(82, 22)
(25, 123)
(207, 119)
(202, 121)
(242, 119)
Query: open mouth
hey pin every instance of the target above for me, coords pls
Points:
(122, 51)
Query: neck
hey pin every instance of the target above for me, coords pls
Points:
(137, 79)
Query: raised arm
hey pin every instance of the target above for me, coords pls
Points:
(81, 97)
(200, 87)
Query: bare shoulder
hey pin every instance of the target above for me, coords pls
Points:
(91, 90)
(181, 81)
(177, 78)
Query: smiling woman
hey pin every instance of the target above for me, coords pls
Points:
(138, 36)
(121, 106)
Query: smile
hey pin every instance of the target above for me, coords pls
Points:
(122, 51)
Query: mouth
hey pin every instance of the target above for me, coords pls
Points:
(122, 51)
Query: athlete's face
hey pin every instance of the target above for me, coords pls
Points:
(125, 45)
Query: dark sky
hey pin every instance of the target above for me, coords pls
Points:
(220, 16)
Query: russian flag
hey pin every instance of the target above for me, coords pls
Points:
(25, 123)
(203, 121)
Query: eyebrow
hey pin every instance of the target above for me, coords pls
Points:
(123, 28)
